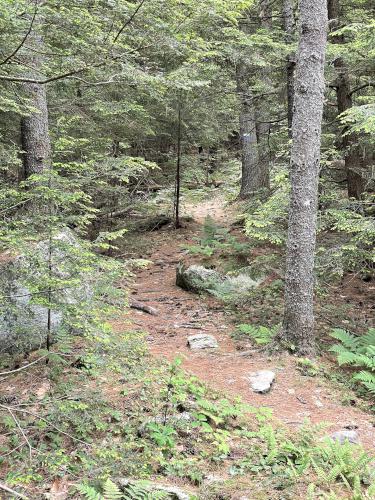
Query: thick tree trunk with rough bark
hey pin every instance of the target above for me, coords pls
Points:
(353, 161)
(35, 138)
(288, 21)
(298, 326)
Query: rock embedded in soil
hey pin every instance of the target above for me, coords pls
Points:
(202, 341)
(345, 435)
(262, 380)
(197, 278)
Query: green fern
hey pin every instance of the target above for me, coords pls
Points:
(111, 491)
(359, 352)
(89, 492)
(260, 334)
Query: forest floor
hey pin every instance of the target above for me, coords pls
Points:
(97, 415)
(293, 397)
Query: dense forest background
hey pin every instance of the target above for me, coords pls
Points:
(126, 126)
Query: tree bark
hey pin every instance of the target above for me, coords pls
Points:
(262, 105)
(349, 142)
(288, 21)
(248, 137)
(255, 174)
(35, 137)
(178, 171)
(298, 325)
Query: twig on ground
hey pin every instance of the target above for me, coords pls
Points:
(47, 422)
(24, 367)
(135, 304)
(13, 492)
(22, 432)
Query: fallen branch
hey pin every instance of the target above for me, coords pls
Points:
(46, 421)
(9, 490)
(135, 304)
(24, 367)
(22, 432)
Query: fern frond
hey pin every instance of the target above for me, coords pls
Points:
(346, 338)
(368, 340)
(367, 379)
(111, 491)
(89, 492)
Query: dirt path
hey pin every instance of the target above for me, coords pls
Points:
(293, 397)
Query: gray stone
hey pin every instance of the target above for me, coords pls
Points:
(238, 285)
(202, 341)
(345, 435)
(197, 278)
(262, 380)
(23, 321)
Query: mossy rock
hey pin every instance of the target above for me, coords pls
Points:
(197, 279)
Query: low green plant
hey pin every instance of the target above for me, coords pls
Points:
(215, 239)
(358, 352)
(163, 435)
(261, 335)
(307, 367)
(140, 490)
(266, 221)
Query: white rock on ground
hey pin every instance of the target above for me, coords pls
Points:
(345, 435)
(262, 380)
(202, 341)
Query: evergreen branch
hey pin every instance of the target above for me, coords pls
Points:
(360, 87)
(24, 38)
(128, 21)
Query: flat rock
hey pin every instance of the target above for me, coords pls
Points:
(262, 380)
(202, 341)
(345, 435)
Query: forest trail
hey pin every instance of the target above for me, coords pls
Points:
(293, 397)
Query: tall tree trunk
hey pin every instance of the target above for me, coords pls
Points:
(251, 179)
(262, 105)
(35, 138)
(255, 174)
(288, 20)
(178, 171)
(349, 142)
(298, 326)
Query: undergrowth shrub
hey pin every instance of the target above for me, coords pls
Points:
(215, 239)
(357, 352)
(353, 241)
(266, 220)
(261, 335)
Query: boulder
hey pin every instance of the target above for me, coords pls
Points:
(262, 380)
(23, 310)
(202, 341)
(197, 278)
(345, 435)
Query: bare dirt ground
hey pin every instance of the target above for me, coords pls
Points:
(293, 398)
